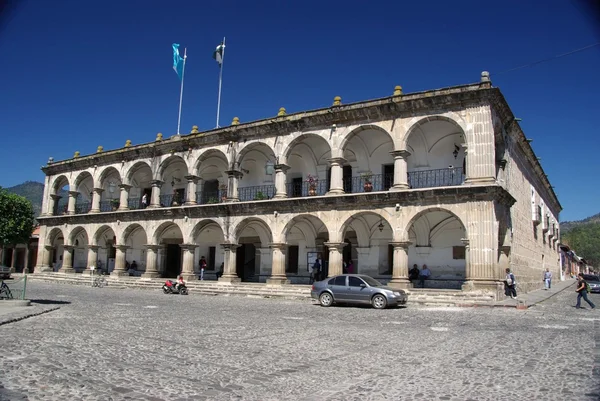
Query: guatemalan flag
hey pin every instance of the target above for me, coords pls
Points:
(177, 61)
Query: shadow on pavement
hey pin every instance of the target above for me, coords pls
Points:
(49, 302)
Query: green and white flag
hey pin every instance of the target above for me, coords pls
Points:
(218, 53)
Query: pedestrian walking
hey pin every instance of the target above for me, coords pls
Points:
(144, 200)
(202, 267)
(548, 279)
(582, 291)
(317, 269)
(510, 284)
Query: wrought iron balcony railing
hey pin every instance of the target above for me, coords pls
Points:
(82, 207)
(208, 197)
(259, 192)
(300, 189)
(442, 177)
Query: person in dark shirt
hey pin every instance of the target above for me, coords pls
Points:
(582, 292)
(413, 274)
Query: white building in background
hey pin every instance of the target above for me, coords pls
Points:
(443, 177)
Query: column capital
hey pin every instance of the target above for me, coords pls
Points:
(152, 247)
(73, 193)
(402, 153)
(192, 178)
(335, 245)
(336, 160)
(282, 167)
(93, 247)
(98, 190)
(122, 248)
(277, 245)
(157, 183)
(401, 244)
(68, 247)
(188, 247)
(125, 186)
(234, 173)
(55, 196)
(230, 246)
(48, 247)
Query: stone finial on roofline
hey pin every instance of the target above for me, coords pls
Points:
(128, 143)
(281, 112)
(195, 130)
(76, 155)
(100, 149)
(397, 90)
(159, 137)
(235, 121)
(337, 101)
(485, 76)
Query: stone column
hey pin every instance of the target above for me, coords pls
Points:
(124, 197)
(336, 183)
(481, 155)
(335, 257)
(52, 204)
(280, 181)
(188, 262)
(13, 260)
(400, 265)
(44, 253)
(67, 266)
(278, 276)
(151, 258)
(155, 196)
(26, 261)
(97, 195)
(120, 261)
(233, 177)
(72, 202)
(229, 267)
(92, 258)
(190, 193)
(400, 170)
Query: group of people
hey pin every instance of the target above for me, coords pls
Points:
(419, 276)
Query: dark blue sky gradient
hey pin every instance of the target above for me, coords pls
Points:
(78, 74)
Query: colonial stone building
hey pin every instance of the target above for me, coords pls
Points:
(443, 177)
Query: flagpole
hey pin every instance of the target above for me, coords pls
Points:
(181, 92)
(220, 82)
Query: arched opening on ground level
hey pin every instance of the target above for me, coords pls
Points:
(53, 252)
(208, 236)
(106, 241)
(79, 240)
(253, 256)
(306, 237)
(437, 157)
(170, 254)
(368, 251)
(135, 238)
(435, 237)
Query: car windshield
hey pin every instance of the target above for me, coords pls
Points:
(591, 277)
(371, 281)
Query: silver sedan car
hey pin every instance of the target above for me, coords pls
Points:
(357, 288)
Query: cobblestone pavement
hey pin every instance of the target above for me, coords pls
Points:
(110, 344)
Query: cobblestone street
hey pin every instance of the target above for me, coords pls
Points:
(116, 344)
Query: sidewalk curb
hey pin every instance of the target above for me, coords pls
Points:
(26, 316)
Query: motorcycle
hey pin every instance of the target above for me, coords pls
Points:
(170, 287)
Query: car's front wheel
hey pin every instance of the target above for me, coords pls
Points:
(326, 299)
(379, 301)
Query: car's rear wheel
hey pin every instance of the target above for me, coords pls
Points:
(326, 299)
(379, 301)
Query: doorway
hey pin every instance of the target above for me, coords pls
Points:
(245, 262)
(173, 267)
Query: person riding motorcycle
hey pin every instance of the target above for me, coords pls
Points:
(180, 282)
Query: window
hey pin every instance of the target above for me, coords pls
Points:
(355, 282)
(331, 282)
(458, 252)
(340, 280)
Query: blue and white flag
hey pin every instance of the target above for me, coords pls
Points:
(177, 61)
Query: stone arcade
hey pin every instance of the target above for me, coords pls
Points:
(443, 177)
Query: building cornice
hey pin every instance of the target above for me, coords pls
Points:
(371, 110)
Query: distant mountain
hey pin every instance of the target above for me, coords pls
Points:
(567, 226)
(32, 191)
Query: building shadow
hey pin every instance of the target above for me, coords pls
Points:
(49, 302)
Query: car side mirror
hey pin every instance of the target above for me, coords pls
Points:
(363, 285)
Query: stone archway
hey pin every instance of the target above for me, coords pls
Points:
(106, 242)
(257, 181)
(169, 237)
(75, 256)
(53, 250)
(308, 155)
(84, 186)
(211, 169)
(307, 236)
(253, 256)
(135, 239)
(59, 196)
(207, 238)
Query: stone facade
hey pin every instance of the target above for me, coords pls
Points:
(442, 178)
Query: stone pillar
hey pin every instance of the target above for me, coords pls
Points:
(124, 197)
(336, 183)
(52, 204)
(72, 202)
(278, 276)
(151, 259)
(97, 195)
(233, 177)
(44, 253)
(26, 261)
(13, 260)
(229, 267)
(155, 196)
(188, 262)
(120, 261)
(280, 181)
(481, 155)
(190, 193)
(335, 258)
(67, 266)
(400, 265)
(400, 170)
(92, 258)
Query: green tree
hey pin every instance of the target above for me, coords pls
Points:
(585, 241)
(16, 219)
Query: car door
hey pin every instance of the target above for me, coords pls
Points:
(358, 290)
(339, 288)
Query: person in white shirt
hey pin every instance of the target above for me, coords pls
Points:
(548, 279)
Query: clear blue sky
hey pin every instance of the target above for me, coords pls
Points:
(78, 74)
